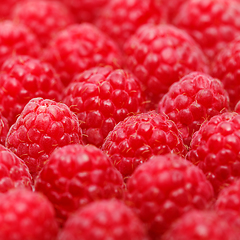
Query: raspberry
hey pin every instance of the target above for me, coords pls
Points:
(101, 97)
(76, 175)
(160, 55)
(23, 78)
(78, 48)
(42, 126)
(26, 215)
(194, 99)
(196, 17)
(101, 220)
(4, 128)
(13, 171)
(215, 148)
(45, 18)
(121, 18)
(6, 7)
(137, 138)
(164, 188)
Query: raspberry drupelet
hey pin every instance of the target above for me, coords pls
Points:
(4, 128)
(42, 126)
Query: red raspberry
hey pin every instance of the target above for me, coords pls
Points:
(78, 48)
(26, 215)
(164, 188)
(215, 149)
(199, 225)
(76, 175)
(45, 18)
(6, 7)
(42, 126)
(16, 38)
(137, 138)
(23, 78)
(101, 97)
(101, 220)
(194, 99)
(4, 128)
(160, 55)
(13, 171)
(121, 18)
(212, 23)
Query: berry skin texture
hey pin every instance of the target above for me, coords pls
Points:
(78, 48)
(139, 137)
(195, 98)
(23, 78)
(42, 126)
(26, 215)
(196, 18)
(101, 97)
(45, 18)
(160, 55)
(4, 128)
(14, 173)
(101, 220)
(76, 175)
(215, 148)
(163, 189)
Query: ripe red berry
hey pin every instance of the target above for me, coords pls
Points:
(4, 128)
(194, 99)
(101, 97)
(76, 175)
(101, 220)
(137, 138)
(6, 7)
(164, 188)
(26, 215)
(42, 126)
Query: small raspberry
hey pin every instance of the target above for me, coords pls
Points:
(78, 48)
(13, 171)
(101, 97)
(212, 23)
(42, 126)
(26, 215)
(4, 128)
(160, 55)
(215, 149)
(164, 188)
(101, 220)
(23, 78)
(194, 99)
(76, 175)
(137, 138)
(45, 18)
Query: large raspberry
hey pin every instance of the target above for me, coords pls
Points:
(194, 99)
(137, 138)
(78, 48)
(215, 149)
(101, 97)
(4, 128)
(164, 188)
(101, 220)
(42, 126)
(212, 23)
(160, 55)
(26, 215)
(45, 18)
(76, 175)
(23, 78)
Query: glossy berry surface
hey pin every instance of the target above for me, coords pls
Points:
(164, 188)
(26, 215)
(215, 147)
(4, 128)
(160, 55)
(192, 100)
(76, 175)
(95, 221)
(42, 126)
(23, 78)
(80, 47)
(137, 138)
(101, 97)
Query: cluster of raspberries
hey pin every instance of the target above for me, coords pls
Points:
(119, 119)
